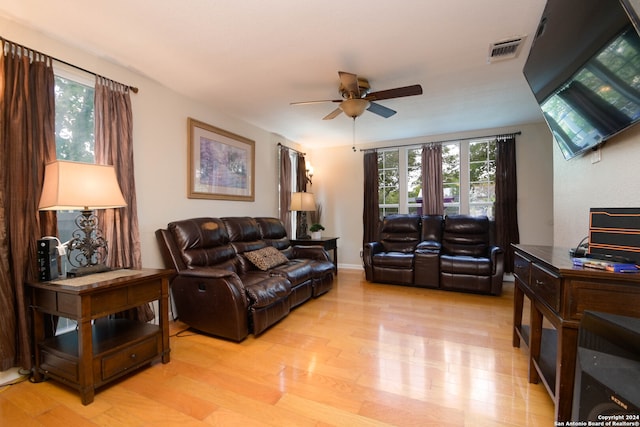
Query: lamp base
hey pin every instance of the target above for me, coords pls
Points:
(89, 269)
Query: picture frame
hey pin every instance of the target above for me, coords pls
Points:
(221, 164)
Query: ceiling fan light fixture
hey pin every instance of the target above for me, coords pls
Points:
(354, 107)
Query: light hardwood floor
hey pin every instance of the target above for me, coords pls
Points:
(362, 355)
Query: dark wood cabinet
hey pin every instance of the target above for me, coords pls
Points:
(560, 293)
(101, 348)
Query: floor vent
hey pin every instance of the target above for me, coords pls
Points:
(505, 49)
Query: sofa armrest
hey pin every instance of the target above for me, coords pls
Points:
(496, 255)
(369, 250)
(212, 300)
(428, 247)
(208, 272)
(317, 253)
(373, 248)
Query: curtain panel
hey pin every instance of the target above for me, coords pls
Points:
(114, 146)
(432, 196)
(506, 215)
(27, 143)
(285, 189)
(370, 214)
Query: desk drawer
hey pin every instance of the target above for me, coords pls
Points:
(546, 285)
(521, 268)
(132, 356)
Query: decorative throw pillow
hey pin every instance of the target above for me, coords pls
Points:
(266, 258)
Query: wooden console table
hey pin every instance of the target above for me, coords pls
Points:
(328, 243)
(100, 349)
(560, 293)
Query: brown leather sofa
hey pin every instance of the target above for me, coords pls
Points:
(451, 252)
(220, 291)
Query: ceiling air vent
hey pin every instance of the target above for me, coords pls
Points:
(505, 49)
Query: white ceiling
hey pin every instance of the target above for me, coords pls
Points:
(251, 58)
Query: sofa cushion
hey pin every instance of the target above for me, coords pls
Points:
(297, 270)
(266, 258)
(461, 264)
(263, 289)
(393, 259)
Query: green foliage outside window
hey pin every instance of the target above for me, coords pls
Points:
(74, 121)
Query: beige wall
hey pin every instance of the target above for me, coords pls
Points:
(580, 184)
(160, 138)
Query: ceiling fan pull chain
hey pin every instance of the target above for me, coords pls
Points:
(354, 135)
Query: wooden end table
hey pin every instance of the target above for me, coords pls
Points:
(101, 349)
(328, 243)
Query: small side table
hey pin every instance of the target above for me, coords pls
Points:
(99, 350)
(328, 243)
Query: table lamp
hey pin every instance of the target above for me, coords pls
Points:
(85, 187)
(303, 202)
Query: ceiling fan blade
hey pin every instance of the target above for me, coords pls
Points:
(315, 102)
(332, 115)
(350, 82)
(381, 110)
(398, 92)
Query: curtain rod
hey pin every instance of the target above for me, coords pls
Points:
(501, 135)
(280, 144)
(131, 88)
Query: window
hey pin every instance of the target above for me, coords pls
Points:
(482, 177)
(468, 175)
(388, 182)
(74, 107)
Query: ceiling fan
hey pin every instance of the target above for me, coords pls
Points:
(357, 97)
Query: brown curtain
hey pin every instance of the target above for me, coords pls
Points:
(432, 196)
(301, 173)
(285, 189)
(301, 184)
(507, 231)
(114, 146)
(371, 211)
(27, 143)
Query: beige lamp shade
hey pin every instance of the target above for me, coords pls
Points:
(302, 202)
(80, 186)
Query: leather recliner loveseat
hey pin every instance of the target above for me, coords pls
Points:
(239, 275)
(448, 252)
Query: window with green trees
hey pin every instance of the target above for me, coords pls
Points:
(468, 178)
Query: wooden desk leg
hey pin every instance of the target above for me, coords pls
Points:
(38, 337)
(565, 371)
(518, 302)
(335, 257)
(85, 359)
(163, 304)
(535, 339)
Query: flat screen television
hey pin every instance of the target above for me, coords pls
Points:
(584, 71)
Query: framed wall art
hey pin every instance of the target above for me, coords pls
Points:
(221, 164)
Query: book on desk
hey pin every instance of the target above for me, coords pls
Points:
(617, 267)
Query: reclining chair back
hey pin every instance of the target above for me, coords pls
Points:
(202, 242)
(274, 234)
(466, 235)
(400, 233)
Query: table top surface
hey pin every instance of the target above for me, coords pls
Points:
(107, 279)
(322, 239)
(558, 259)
